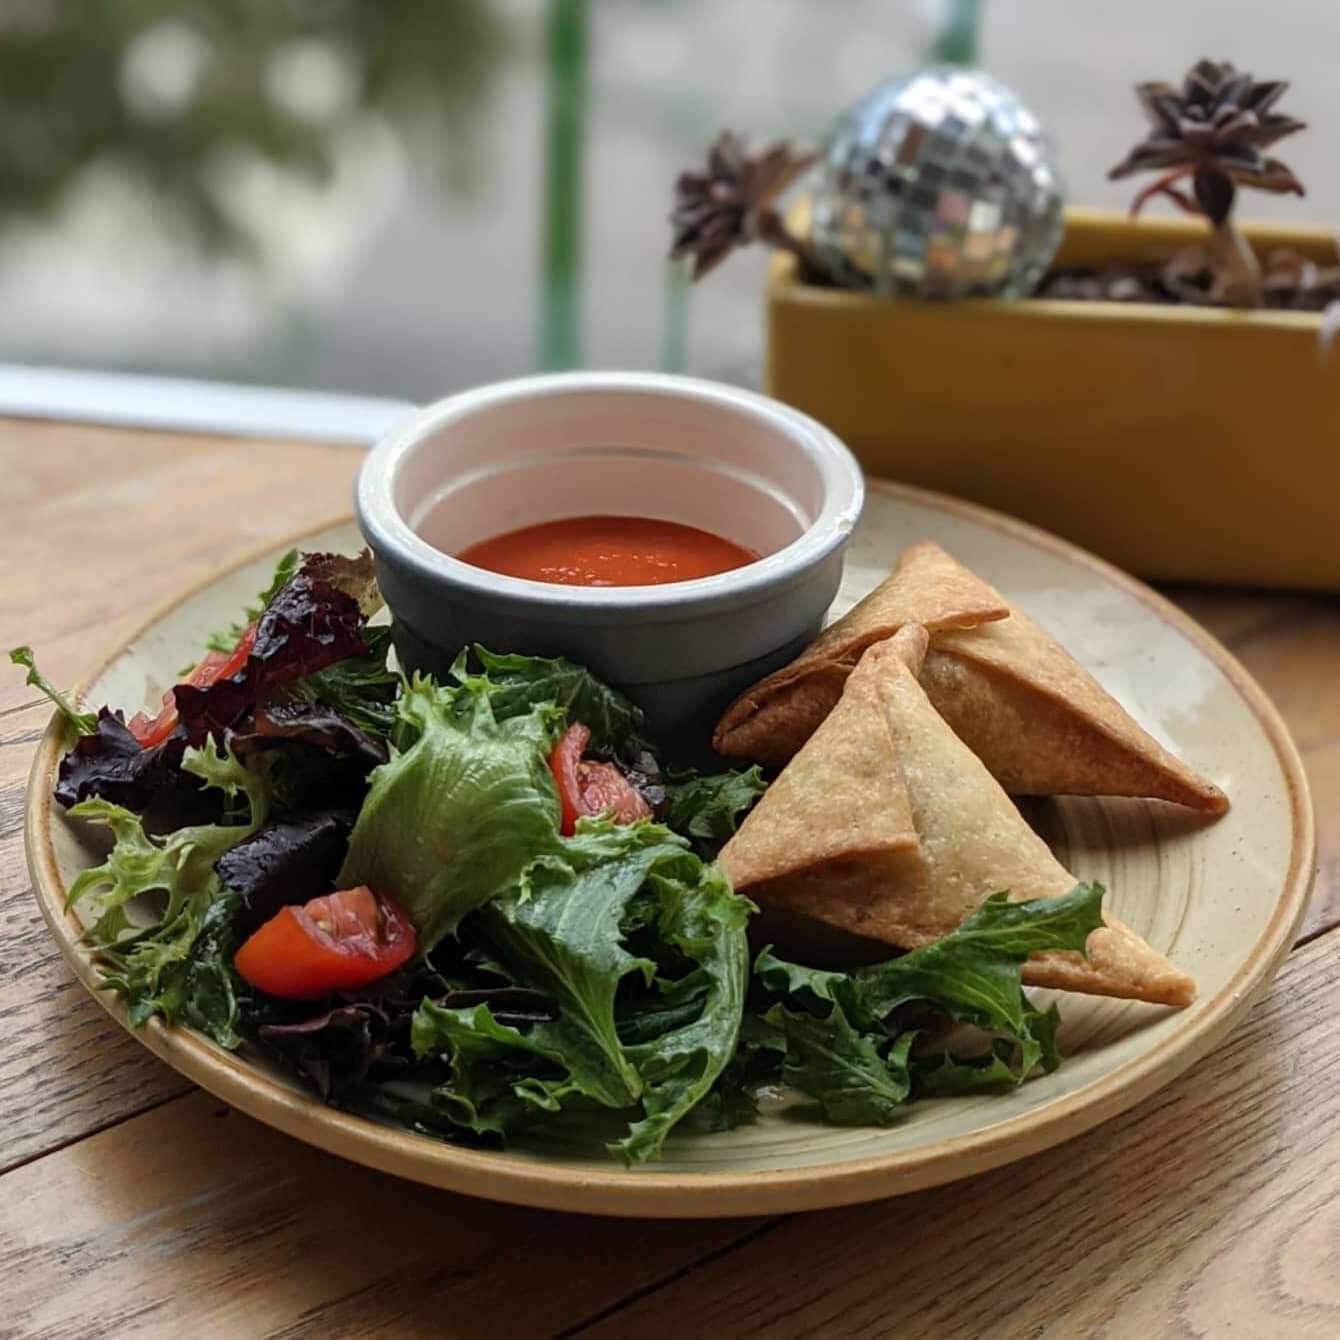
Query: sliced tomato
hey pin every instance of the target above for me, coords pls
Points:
(338, 942)
(218, 665)
(586, 787)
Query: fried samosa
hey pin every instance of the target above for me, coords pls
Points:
(1044, 726)
(886, 826)
(770, 721)
(1038, 720)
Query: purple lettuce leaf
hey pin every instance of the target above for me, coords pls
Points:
(314, 620)
(111, 765)
(344, 1046)
(285, 861)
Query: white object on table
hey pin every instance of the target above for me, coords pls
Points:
(183, 405)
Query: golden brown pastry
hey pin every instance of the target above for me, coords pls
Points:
(1038, 720)
(886, 826)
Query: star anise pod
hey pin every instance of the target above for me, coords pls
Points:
(1213, 129)
(733, 201)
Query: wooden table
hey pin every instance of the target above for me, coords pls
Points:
(133, 1205)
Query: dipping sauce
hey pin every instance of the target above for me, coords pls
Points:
(608, 551)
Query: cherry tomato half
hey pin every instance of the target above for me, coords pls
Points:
(586, 787)
(218, 665)
(338, 942)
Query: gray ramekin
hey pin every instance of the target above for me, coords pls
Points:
(603, 443)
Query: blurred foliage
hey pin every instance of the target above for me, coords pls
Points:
(159, 88)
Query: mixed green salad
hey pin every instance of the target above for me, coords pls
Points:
(469, 906)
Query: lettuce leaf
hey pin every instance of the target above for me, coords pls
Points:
(760, 1053)
(226, 639)
(705, 921)
(285, 861)
(973, 975)
(850, 1042)
(76, 723)
(709, 809)
(464, 806)
(315, 619)
(175, 959)
(361, 689)
(110, 762)
(859, 1078)
(566, 932)
(518, 684)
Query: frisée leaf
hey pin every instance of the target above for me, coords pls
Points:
(157, 902)
(76, 723)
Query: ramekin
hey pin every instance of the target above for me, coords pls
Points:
(680, 449)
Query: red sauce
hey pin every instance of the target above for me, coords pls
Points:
(608, 551)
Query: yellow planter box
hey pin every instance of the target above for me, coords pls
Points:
(1183, 443)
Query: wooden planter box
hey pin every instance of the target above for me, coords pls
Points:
(1182, 443)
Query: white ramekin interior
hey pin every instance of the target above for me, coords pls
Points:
(498, 466)
(517, 453)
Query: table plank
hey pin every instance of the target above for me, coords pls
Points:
(1214, 1207)
(97, 528)
(193, 1220)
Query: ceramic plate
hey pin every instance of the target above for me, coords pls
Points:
(1223, 900)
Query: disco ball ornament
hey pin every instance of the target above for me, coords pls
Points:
(940, 184)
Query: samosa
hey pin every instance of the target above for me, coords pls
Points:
(771, 720)
(1044, 726)
(1038, 720)
(886, 826)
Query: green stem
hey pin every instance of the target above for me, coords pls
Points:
(957, 41)
(675, 335)
(560, 318)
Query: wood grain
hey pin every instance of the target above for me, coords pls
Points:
(194, 1221)
(1212, 1205)
(97, 528)
(1212, 1209)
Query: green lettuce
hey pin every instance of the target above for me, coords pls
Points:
(75, 723)
(361, 689)
(709, 809)
(175, 957)
(973, 975)
(851, 1044)
(463, 807)
(860, 1078)
(516, 685)
(226, 639)
(760, 1052)
(642, 946)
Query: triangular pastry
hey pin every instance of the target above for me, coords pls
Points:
(1044, 726)
(1038, 720)
(816, 849)
(771, 720)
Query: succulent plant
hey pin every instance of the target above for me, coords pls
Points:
(1215, 129)
(732, 201)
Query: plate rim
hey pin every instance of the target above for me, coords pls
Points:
(651, 1192)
